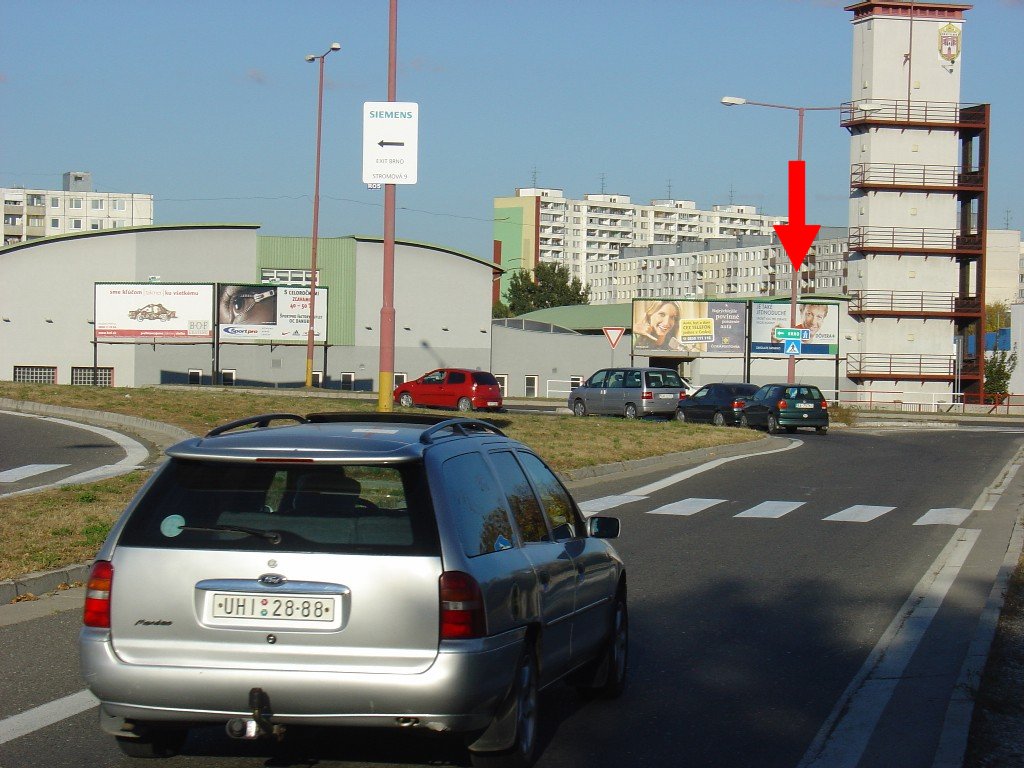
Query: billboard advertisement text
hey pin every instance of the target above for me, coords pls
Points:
(818, 323)
(685, 328)
(166, 311)
(269, 313)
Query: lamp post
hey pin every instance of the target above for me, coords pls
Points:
(735, 101)
(316, 210)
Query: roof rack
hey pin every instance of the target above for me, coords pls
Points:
(460, 426)
(365, 416)
(257, 421)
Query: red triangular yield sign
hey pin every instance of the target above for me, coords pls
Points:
(613, 335)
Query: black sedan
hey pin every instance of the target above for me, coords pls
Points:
(719, 404)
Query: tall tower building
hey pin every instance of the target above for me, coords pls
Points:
(918, 179)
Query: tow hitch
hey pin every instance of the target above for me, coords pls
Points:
(259, 725)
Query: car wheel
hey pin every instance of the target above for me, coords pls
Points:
(630, 411)
(608, 676)
(680, 415)
(773, 424)
(579, 408)
(155, 743)
(718, 419)
(465, 404)
(743, 421)
(523, 751)
(821, 430)
(405, 400)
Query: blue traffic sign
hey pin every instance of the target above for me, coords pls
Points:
(792, 347)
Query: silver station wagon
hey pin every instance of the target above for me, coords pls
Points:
(629, 392)
(398, 571)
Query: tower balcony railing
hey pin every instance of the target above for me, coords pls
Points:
(946, 114)
(906, 239)
(901, 366)
(920, 303)
(903, 176)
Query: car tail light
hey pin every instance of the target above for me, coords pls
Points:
(783, 405)
(462, 607)
(738, 404)
(97, 595)
(648, 395)
(682, 395)
(824, 405)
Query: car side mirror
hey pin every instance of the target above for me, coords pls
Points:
(603, 527)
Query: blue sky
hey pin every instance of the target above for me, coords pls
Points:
(210, 107)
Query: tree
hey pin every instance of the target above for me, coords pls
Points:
(499, 309)
(548, 286)
(997, 315)
(998, 370)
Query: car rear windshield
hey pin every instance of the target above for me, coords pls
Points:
(355, 508)
(803, 393)
(666, 378)
(484, 378)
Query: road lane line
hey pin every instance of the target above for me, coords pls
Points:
(841, 741)
(28, 470)
(686, 507)
(42, 716)
(594, 506)
(944, 516)
(859, 513)
(771, 509)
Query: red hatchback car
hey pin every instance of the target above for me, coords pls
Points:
(451, 388)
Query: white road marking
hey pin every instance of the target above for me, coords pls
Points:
(859, 513)
(594, 506)
(841, 741)
(944, 516)
(771, 509)
(28, 470)
(31, 720)
(686, 507)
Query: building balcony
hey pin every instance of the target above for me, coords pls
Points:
(898, 367)
(932, 178)
(908, 240)
(914, 304)
(913, 114)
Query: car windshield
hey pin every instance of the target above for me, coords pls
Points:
(236, 506)
(480, 377)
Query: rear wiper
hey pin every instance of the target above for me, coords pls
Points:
(272, 536)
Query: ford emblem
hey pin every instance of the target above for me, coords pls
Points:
(271, 579)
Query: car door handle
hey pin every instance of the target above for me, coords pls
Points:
(581, 572)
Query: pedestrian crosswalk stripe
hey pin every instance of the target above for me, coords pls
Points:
(859, 513)
(771, 509)
(594, 506)
(28, 470)
(686, 507)
(944, 516)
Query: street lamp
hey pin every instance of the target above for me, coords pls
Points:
(736, 101)
(316, 211)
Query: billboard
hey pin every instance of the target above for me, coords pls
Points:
(818, 321)
(165, 311)
(269, 313)
(687, 328)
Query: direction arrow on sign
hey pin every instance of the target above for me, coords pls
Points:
(785, 334)
(614, 334)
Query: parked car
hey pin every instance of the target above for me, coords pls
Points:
(382, 570)
(451, 388)
(719, 404)
(629, 392)
(786, 406)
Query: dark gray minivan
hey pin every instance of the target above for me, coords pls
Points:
(629, 392)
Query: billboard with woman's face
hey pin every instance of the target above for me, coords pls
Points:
(686, 328)
(818, 322)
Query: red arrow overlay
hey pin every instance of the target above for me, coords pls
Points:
(797, 236)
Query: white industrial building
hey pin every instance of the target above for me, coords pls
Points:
(30, 214)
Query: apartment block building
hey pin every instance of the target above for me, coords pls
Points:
(30, 214)
(543, 225)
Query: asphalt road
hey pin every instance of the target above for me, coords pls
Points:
(747, 625)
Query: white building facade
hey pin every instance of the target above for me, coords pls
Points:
(30, 214)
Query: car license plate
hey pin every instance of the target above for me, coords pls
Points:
(492, 403)
(262, 607)
(805, 405)
(667, 397)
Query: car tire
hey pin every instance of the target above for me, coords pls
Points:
(526, 691)
(465, 404)
(608, 675)
(155, 743)
(405, 400)
(773, 424)
(579, 408)
(743, 421)
(680, 415)
(718, 419)
(630, 412)
(821, 430)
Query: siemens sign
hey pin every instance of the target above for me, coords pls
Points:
(390, 135)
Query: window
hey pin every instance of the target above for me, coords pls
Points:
(317, 376)
(75, 202)
(96, 205)
(94, 225)
(55, 202)
(55, 223)
(348, 380)
(76, 223)
(575, 381)
(456, 377)
(117, 205)
(532, 382)
(36, 200)
(101, 377)
(502, 379)
(227, 377)
(35, 374)
(35, 221)
(195, 375)
(526, 509)
(481, 513)
(565, 524)
(12, 220)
